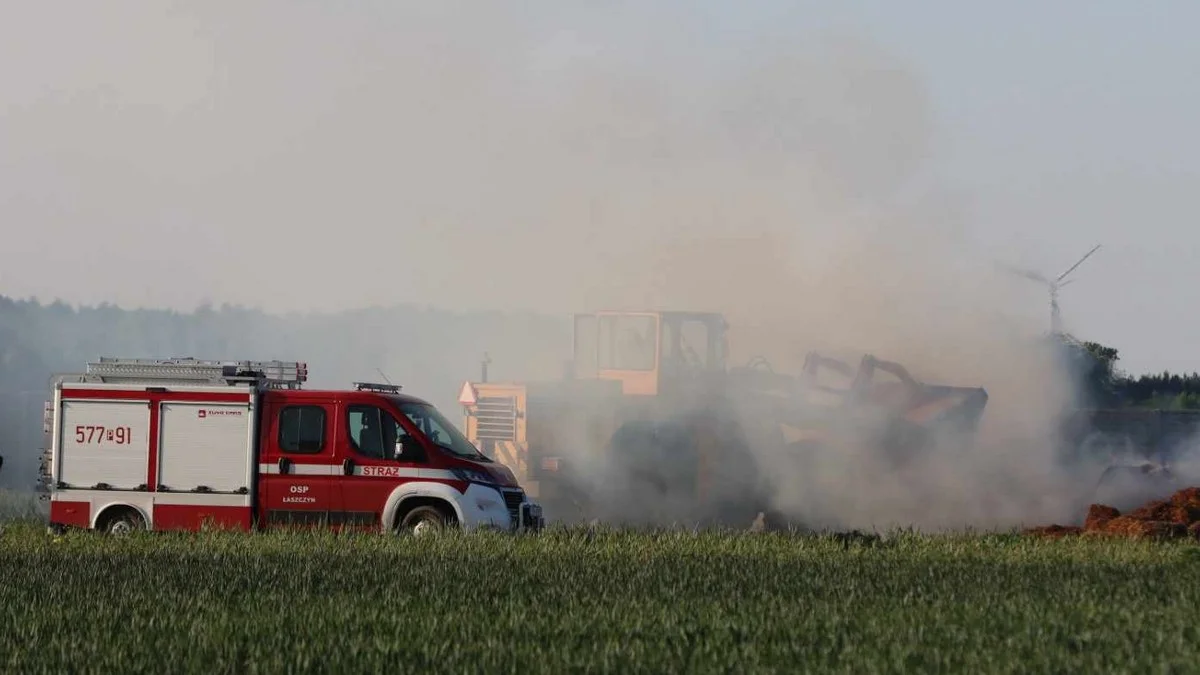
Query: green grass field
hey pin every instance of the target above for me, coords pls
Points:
(612, 602)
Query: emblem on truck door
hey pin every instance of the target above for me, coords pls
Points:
(299, 495)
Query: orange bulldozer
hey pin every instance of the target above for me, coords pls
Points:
(653, 426)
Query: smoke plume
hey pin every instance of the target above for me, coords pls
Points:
(795, 197)
(555, 158)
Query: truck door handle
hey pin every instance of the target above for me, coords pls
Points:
(285, 465)
(347, 466)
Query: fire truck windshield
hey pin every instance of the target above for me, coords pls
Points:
(440, 430)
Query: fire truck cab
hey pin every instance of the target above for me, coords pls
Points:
(181, 444)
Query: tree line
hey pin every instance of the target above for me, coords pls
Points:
(1105, 384)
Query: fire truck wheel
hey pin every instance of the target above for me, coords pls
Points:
(122, 522)
(425, 520)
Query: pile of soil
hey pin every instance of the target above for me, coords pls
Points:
(1176, 517)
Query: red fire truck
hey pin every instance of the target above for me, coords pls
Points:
(179, 444)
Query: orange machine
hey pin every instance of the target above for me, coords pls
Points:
(653, 425)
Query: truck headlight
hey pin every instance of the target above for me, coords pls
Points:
(472, 476)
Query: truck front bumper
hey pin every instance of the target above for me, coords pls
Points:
(531, 519)
(505, 509)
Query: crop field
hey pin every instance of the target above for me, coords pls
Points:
(598, 601)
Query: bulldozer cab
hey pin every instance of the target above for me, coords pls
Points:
(649, 353)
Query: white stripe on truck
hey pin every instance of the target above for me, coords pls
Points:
(368, 471)
(304, 469)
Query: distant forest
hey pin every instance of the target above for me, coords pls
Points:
(1105, 384)
(427, 351)
(1164, 390)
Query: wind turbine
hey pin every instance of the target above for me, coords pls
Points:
(1054, 285)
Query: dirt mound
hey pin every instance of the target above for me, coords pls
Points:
(1098, 515)
(1129, 526)
(1172, 518)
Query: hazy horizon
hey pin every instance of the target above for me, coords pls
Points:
(558, 157)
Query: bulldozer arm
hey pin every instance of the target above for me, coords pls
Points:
(866, 374)
(908, 397)
(860, 380)
(813, 362)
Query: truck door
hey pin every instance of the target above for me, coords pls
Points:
(368, 442)
(298, 467)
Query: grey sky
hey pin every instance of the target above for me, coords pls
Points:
(331, 155)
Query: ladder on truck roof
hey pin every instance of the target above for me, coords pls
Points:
(270, 374)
